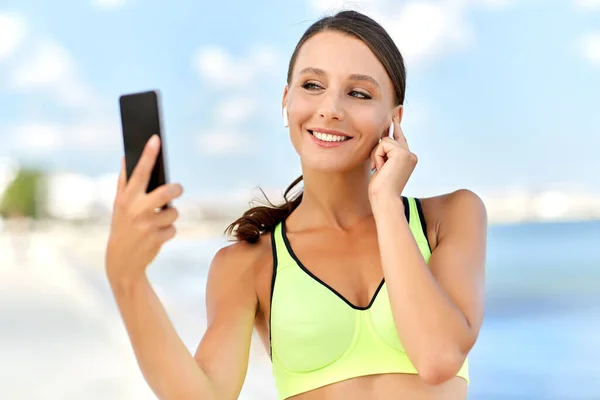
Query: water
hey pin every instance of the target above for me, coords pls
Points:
(541, 336)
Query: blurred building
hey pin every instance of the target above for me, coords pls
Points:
(69, 196)
(8, 171)
(75, 197)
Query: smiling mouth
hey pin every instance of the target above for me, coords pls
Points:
(327, 137)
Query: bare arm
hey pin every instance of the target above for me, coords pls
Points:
(165, 361)
(219, 367)
(438, 308)
(231, 306)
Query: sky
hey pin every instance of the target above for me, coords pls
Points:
(501, 95)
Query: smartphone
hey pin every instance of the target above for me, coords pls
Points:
(140, 119)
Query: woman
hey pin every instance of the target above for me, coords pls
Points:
(357, 291)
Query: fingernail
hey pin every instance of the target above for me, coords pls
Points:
(153, 142)
(175, 189)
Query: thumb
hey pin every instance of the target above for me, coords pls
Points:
(122, 182)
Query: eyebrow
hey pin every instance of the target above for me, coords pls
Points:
(352, 77)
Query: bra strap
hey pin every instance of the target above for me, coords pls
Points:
(417, 221)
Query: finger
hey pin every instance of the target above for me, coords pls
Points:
(162, 195)
(398, 133)
(122, 181)
(165, 234)
(390, 144)
(166, 217)
(143, 169)
(379, 155)
(372, 157)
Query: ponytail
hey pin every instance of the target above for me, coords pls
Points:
(260, 219)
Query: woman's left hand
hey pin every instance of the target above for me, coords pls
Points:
(393, 163)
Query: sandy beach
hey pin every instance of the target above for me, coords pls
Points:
(61, 337)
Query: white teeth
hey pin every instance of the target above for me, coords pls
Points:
(326, 137)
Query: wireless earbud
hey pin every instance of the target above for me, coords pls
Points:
(285, 117)
(391, 132)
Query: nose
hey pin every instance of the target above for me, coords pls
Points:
(331, 108)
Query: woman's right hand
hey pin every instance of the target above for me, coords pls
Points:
(138, 230)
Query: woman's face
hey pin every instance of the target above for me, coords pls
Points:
(339, 102)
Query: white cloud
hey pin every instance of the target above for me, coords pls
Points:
(236, 76)
(50, 68)
(423, 30)
(224, 142)
(587, 5)
(218, 67)
(46, 66)
(236, 110)
(589, 46)
(12, 33)
(108, 4)
(48, 137)
(37, 138)
(96, 134)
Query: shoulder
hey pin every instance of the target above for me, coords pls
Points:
(241, 257)
(459, 201)
(239, 263)
(446, 210)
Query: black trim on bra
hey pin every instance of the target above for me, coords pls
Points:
(316, 278)
(274, 250)
(406, 208)
(423, 223)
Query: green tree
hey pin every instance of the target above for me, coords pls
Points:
(21, 197)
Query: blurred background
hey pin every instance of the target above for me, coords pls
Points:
(502, 98)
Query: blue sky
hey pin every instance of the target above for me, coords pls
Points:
(501, 94)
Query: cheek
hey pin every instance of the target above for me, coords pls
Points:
(300, 108)
(368, 122)
(295, 118)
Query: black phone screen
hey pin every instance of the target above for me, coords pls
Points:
(140, 119)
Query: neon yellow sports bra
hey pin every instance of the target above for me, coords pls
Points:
(318, 337)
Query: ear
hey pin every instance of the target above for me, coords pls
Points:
(284, 108)
(285, 95)
(398, 112)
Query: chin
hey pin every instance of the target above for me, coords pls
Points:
(328, 165)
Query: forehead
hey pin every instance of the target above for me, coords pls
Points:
(339, 53)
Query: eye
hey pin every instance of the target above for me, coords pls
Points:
(311, 86)
(359, 95)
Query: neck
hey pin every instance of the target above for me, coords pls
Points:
(337, 200)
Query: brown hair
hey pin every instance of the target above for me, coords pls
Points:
(264, 218)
